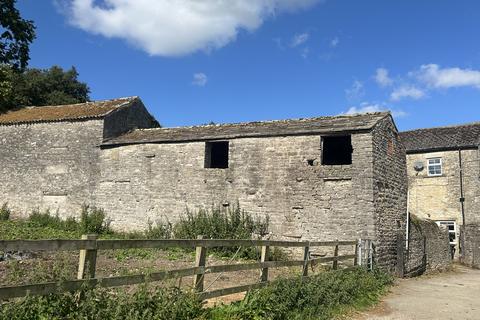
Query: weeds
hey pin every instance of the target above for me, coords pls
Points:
(4, 212)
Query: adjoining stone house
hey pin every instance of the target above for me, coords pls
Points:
(326, 178)
(49, 156)
(443, 167)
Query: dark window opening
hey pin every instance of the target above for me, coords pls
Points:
(216, 154)
(310, 162)
(337, 150)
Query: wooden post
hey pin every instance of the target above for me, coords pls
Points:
(355, 260)
(264, 258)
(335, 254)
(200, 261)
(400, 256)
(88, 260)
(306, 257)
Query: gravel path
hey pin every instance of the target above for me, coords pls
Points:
(452, 295)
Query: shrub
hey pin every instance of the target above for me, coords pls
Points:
(93, 220)
(164, 303)
(4, 212)
(159, 231)
(222, 223)
(318, 297)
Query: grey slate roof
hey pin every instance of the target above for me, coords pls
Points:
(342, 123)
(442, 138)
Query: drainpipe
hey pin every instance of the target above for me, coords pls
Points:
(408, 219)
(462, 203)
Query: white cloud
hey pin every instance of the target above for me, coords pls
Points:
(200, 79)
(366, 107)
(334, 42)
(356, 91)
(175, 27)
(435, 77)
(299, 39)
(407, 91)
(382, 77)
(305, 52)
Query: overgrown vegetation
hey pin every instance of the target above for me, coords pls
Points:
(321, 296)
(4, 212)
(92, 220)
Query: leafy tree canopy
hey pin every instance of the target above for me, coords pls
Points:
(16, 34)
(40, 87)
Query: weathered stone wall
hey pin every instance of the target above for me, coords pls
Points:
(429, 247)
(438, 198)
(390, 190)
(269, 175)
(49, 165)
(471, 251)
(135, 116)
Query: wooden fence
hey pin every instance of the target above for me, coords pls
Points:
(89, 245)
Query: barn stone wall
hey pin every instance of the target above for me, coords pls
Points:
(51, 165)
(390, 190)
(279, 176)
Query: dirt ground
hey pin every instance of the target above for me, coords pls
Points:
(451, 295)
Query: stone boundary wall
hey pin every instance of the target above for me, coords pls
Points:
(429, 248)
(470, 236)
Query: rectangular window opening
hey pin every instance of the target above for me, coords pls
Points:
(435, 167)
(337, 150)
(216, 154)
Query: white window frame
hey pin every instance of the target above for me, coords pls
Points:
(435, 164)
(447, 223)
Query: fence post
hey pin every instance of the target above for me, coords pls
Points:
(306, 257)
(88, 260)
(400, 255)
(264, 258)
(200, 261)
(335, 254)
(357, 245)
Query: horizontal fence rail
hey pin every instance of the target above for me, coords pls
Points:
(89, 245)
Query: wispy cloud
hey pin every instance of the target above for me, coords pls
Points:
(175, 28)
(356, 91)
(199, 79)
(434, 76)
(334, 42)
(299, 39)
(382, 78)
(305, 52)
(366, 107)
(407, 91)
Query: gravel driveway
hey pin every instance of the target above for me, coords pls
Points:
(451, 295)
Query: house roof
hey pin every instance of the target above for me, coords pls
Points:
(342, 123)
(79, 111)
(442, 138)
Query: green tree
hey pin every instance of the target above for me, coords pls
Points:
(16, 34)
(40, 87)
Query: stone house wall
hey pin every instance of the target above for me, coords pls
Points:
(438, 197)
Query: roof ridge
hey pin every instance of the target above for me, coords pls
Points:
(256, 122)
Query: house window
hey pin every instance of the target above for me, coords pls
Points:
(216, 154)
(452, 230)
(337, 150)
(435, 167)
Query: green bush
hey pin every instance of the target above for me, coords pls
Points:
(159, 231)
(169, 303)
(92, 220)
(222, 223)
(318, 297)
(4, 212)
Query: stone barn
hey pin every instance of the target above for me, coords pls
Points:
(325, 178)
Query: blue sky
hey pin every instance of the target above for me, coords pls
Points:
(193, 61)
